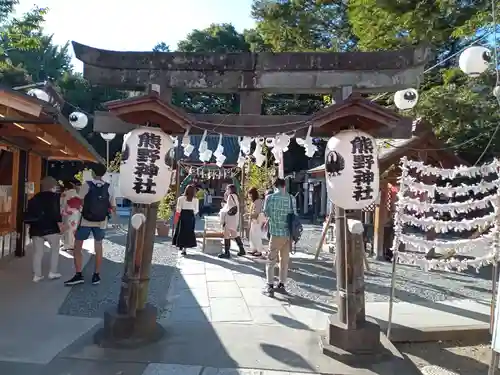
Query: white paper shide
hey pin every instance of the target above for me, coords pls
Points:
(351, 170)
(145, 170)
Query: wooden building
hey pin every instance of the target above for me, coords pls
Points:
(32, 132)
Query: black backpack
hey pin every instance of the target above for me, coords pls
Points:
(96, 203)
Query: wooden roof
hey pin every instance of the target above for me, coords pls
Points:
(355, 111)
(32, 124)
(149, 108)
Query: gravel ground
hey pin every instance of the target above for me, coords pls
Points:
(458, 357)
(315, 280)
(88, 300)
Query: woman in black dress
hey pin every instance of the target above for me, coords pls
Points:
(187, 208)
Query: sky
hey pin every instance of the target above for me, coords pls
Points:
(110, 24)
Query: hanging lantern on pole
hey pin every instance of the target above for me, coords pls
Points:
(145, 165)
(78, 120)
(351, 170)
(406, 99)
(475, 60)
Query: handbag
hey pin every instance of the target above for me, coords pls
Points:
(233, 210)
(294, 225)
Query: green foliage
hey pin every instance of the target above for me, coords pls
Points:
(165, 208)
(260, 178)
(304, 25)
(221, 38)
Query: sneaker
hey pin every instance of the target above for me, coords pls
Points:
(241, 253)
(54, 275)
(224, 255)
(75, 280)
(96, 279)
(183, 252)
(281, 288)
(37, 278)
(269, 290)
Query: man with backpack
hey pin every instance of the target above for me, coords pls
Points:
(284, 228)
(98, 202)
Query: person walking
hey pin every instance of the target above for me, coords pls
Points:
(70, 206)
(277, 207)
(187, 208)
(255, 234)
(98, 202)
(43, 215)
(230, 220)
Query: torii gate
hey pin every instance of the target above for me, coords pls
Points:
(344, 75)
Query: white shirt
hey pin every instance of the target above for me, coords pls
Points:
(84, 189)
(184, 204)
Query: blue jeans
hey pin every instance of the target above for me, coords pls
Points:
(83, 233)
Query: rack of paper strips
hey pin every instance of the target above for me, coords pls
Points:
(460, 211)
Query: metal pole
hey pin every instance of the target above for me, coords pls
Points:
(494, 279)
(493, 363)
(391, 299)
(107, 154)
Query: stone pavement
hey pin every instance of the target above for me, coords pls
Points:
(214, 314)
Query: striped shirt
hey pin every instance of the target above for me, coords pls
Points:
(277, 207)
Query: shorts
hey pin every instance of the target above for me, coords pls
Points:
(83, 233)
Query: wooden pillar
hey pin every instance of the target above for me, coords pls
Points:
(250, 102)
(22, 166)
(380, 220)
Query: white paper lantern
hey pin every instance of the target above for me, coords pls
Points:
(108, 136)
(406, 99)
(351, 170)
(78, 120)
(39, 94)
(145, 170)
(496, 92)
(475, 60)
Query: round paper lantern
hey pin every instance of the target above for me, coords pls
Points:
(39, 94)
(78, 120)
(475, 60)
(406, 99)
(108, 136)
(145, 172)
(496, 92)
(351, 170)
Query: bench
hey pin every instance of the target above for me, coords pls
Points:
(212, 235)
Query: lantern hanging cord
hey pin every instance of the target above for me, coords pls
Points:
(488, 33)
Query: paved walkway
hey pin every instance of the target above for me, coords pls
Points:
(215, 314)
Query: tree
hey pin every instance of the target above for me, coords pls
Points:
(219, 38)
(304, 25)
(161, 47)
(18, 34)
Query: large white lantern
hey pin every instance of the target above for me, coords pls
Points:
(406, 99)
(145, 170)
(351, 170)
(39, 94)
(78, 120)
(475, 60)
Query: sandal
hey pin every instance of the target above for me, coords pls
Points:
(257, 254)
(252, 252)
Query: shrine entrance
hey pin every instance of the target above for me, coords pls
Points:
(345, 76)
